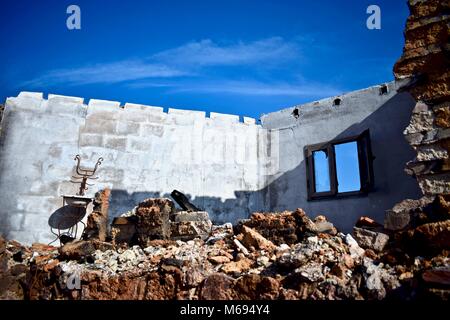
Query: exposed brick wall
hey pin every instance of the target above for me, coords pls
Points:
(425, 61)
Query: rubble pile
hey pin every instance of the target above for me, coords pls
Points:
(269, 256)
(157, 219)
(287, 227)
(157, 252)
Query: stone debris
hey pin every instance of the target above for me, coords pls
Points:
(220, 232)
(369, 239)
(297, 261)
(252, 239)
(186, 225)
(157, 218)
(153, 219)
(97, 222)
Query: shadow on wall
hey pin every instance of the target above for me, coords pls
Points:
(392, 184)
(220, 211)
(288, 191)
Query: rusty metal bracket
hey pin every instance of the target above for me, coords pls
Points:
(84, 174)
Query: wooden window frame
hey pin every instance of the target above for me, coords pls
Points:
(365, 161)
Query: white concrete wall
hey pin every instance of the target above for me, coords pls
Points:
(218, 161)
(227, 167)
(386, 116)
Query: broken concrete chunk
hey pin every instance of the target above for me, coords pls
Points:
(237, 267)
(153, 219)
(123, 230)
(189, 216)
(355, 250)
(325, 227)
(367, 223)
(188, 230)
(97, 221)
(396, 220)
(430, 238)
(276, 227)
(217, 286)
(240, 247)
(82, 249)
(251, 238)
(220, 232)
(403, 214)
(304, 223)
(311, 272)
(369, 239)
(219, 259)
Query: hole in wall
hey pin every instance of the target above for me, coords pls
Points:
(337, 102)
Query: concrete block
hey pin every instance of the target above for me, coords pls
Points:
(66, 105)
(369, 239)
(34, 203)
(190, 113)
(93, 140)
(66, 187)
(188, 230)
(100, 126)
(185, 117)
(123, 233)
(37, 223)
(37, 226)
(149, 130)
(396, 220)
(111, 174)
(128, 128)
(224, 117)
(138, 144)
(189, 216)
(443, 133)
(34, 95)
(434, 184)
(115, 143)
(16, 221)
(30, 237)
(25, 104)
(153, 220)
(96, 105)
(142, 113)
(142, 108)
(248, 120)
(65, 99)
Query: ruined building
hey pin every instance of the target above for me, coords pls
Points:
(232, 168)
(380, 153)
(227, 167)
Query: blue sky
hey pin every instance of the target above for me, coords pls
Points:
(240, 57)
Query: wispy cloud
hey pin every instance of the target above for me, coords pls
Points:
(182, 61)
(246, 87)
(187, 69)
(207, 53)
(107, 73)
